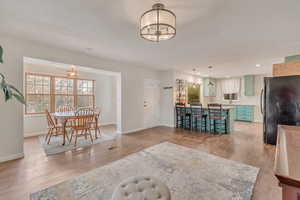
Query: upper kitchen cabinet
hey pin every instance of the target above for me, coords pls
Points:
(209, 87)
(249, 83)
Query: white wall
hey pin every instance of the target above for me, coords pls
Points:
(105, 97)
(168, 96)
(244, 100)
(11, 115)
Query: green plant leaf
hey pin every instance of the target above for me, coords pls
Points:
(17, 94)
(1, 55)
(8, 90)
(20, 98)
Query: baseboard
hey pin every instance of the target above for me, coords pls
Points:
(108, 123)
(11, 157)
(168, 125)
(136, 130)
(132, 130)
(26, 135)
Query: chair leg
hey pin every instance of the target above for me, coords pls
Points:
(49, 131)
(214, 127)
(71, 136)
(50, 135)
(67, 137)
(90, 134)
(84, 132)
(76, 136)
(99, 131)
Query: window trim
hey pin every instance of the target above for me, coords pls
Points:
(238, 98)
(53, 93)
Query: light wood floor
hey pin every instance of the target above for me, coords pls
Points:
(36, 171)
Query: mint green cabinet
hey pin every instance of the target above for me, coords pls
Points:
(249, 84)
(295, 58)
(244, 113)
(209, 87)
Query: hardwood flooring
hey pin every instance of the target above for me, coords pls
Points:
(36, 171)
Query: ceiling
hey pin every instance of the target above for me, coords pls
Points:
(231, 35)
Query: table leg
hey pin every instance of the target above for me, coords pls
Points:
(64, 122)
(96, 127)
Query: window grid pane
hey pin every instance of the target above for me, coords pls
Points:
(85, 101)
(64, 86)
(39, 93)
(63, 100)
(85, 87)
(37, 103)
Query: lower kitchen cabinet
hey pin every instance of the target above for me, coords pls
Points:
(244, 113)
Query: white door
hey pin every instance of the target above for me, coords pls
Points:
(151, 103)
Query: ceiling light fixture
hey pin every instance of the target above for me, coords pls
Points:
(194, 82)
(72, 72)
(210, 83)
(158, 24)
(258, 65)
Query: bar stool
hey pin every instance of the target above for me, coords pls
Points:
(215, 112)
(197, 115)
(180, 113)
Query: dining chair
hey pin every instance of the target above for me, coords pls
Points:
(85, 111)
(82, 126)
(216, 118)
(95, 123)
(54, 129)
(66, 108)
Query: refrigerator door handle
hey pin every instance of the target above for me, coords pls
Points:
(261, 101)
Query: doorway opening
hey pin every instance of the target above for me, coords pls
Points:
(49, 85)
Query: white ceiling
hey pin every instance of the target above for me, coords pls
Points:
(231, 35)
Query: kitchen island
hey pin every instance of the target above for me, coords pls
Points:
(287, 162)
(207, 124)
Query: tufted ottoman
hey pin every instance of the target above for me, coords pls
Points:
(141, 188)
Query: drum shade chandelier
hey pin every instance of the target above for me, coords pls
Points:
(158, 24)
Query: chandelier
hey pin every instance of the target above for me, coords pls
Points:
(72, 72)
(158, 24)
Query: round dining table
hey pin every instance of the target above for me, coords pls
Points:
(64, 117)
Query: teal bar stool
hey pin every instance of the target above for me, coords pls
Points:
(197, 117)
(216, 118)
(180, 115)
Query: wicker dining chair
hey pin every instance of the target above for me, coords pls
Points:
(54, 129)
(65, 108)
(95, 123)
(82, 126)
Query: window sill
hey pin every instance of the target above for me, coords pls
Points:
(33, 115)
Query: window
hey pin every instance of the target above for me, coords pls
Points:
(85, 92)
(193, 93)
(50, 92)
(64, 92)
(38, 93)
(231, 88)
(233, 96)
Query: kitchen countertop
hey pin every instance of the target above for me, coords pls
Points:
(238, 105)
(287, 160)
(205, 107)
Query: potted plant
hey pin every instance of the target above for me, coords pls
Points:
(9, 90)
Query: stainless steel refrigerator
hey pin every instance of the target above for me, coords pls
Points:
(280, 100)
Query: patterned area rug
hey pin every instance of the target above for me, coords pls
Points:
(189, 174)
(56, 146)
